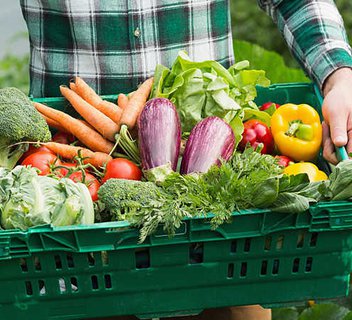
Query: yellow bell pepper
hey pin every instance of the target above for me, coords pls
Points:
(309, 168)
(297, 131)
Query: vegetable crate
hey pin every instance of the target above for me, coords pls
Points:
(263, 257)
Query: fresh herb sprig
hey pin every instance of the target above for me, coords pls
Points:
(247, 180)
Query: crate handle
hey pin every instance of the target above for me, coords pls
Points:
(4, 247)
(182, 228)
(341, 152)
(327, 217)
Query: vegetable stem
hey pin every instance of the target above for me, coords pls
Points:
(128, 145)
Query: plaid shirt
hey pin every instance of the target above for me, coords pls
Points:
(114, 44)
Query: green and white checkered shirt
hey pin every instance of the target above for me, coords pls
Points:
(115, 44)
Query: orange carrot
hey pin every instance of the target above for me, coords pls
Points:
(97, 159)
(61, 128)
(86, 92)
(122, 101)
(85, 123)
(83, 133)
(136, 103)
(111, 110)
(94, 117)
(53, 124)
(73, 87)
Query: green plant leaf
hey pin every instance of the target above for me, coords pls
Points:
(257, 114)
(339, 186)
(237, 126)
(285, 313)
(269, 61)
(203, 89)
(14, 69)
(327, 311)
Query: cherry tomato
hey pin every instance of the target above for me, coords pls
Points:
(257, 133)
(121, 168)
(267, 105)
(284, 161)
(90, 181)
(41, 160)
(63, 137)
(32, 149)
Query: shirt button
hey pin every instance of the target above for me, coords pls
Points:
(137, 33)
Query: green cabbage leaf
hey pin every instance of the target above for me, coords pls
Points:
(27, 200)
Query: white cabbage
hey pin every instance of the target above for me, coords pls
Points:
(27, 199)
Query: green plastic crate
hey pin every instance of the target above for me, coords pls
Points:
(100, 270)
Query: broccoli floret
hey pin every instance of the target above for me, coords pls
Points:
(19, 121)
(123, 197)
(143, 205)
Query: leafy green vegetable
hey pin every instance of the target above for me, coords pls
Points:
(296, 194)
(202, 89)
(124, 197)
(257, 114)
(231, 187)
(247, 180)
(339, 185)
(237, 126)
(19, 121)
(27, 199)
(143, 204)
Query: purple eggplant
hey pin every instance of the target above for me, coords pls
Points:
(210, 140)
(159, 134)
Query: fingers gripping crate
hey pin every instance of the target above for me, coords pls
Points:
(100, 270)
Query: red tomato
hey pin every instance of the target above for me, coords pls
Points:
(63, 137)
(257, 133)
(90, 181)
(41, 160)
(284, 161)
(121, 168)
(267, 105)
(32, 149)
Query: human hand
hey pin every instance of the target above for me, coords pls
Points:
(337, 112)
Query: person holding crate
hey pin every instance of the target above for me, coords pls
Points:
(115, 45)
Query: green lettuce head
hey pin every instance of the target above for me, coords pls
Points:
(28, 199)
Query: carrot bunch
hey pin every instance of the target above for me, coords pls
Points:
(107, 117)
(102, 119)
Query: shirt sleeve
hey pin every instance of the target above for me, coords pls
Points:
(315, 34)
